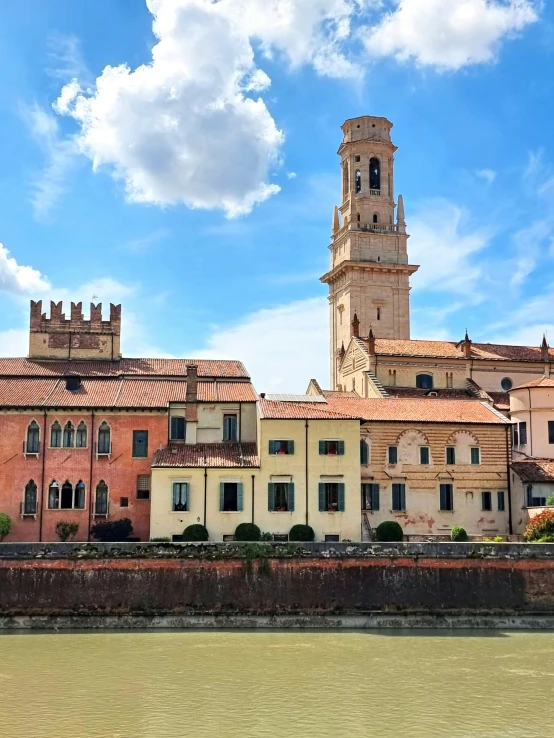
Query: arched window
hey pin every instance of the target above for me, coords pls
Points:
(81, 435)
(374, 174)
(104, 439)
(56, 435)
(424, 381)
(375, 218)
(101, 501)
(358, 181)
(364, 452)
(53, 496)
(33, 438)
(345, 179)
(67, 496)
(68, 435)
(30, 499)
(80, 495)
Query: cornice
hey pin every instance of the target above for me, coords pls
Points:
(367, 266)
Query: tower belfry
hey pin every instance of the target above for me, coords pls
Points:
(370, 274)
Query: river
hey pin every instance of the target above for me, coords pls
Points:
(280, 684)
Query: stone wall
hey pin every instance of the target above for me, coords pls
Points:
(300, 580)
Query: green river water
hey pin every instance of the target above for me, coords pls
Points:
(280, 684)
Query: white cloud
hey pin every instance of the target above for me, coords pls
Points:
(281, 347)
(65, 58)
(489, 175)
(448, 34)
(445, 247)
(16, 279)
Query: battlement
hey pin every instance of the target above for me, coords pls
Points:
(59, 337)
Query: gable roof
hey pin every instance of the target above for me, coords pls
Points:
(215, 455)
(534, 470)
(279, 410)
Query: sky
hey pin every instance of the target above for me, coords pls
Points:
(179, 157)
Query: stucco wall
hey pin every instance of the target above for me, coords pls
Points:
(534, 407)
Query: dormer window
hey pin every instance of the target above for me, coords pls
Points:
(72, 383)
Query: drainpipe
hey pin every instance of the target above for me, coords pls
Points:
(205, 495)
(240, 422)
(306, 480)
(41, 506)
(91, 442)
(253, 478)
(530, 425)
(509, 475)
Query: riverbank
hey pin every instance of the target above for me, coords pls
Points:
(269, 585)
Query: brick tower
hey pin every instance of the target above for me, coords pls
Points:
(370, 275)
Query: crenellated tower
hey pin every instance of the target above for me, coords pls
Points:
(58, 337)
(370, 274)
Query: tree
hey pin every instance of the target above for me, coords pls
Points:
(66, 530)
(5, 525)
(117, 530)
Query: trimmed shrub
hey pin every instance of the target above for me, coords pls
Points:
(267, 536)
(458, 534)
(110, 531)
(5, 525)
(196, 532)
(541, 528)
(66, 531)
(301, 533)
(389, 530)
(247, 532)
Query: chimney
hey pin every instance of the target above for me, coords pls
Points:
(466, 346)
(544, 349)
(371, 343)
(355, 327)
(191, 409)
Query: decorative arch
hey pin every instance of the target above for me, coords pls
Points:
(375, 218)
(69, 435)
(414, 431)
(53, 495)
(80, 492)
(104, 439)
(101, 498)
(374, 173)
(33, 438)
(467, 435)
(30, 498)
(81, 435)
(55, 435)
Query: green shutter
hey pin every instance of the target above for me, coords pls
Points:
(341, 448)
(290, 499)
(271, 495)
(341, 497)
(364, 452)
(290, 448)
(322, 448)
(272, 448)
(443, 497)
(221, 496)
(402, 496)
(322, 506)
(187, 495)
(240, 497)
(375, 497)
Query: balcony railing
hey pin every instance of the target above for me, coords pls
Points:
(377, 227)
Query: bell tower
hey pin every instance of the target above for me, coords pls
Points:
(370, 274)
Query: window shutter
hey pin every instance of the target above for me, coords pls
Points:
(402, 496)
(443, 497)
(221, 496)
(341, 448)
(363, 452)
(341, 498)
(375, 497)
(290, 448)
(187, 495)
(271, 495)
(322, 448)
(290, 499)
(173, 427)
(240, 497)
(322, 506)
(272, 448)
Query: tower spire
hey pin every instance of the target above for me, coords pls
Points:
(336, 224)
(401, 219)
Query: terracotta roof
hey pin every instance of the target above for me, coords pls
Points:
(459, 394)
(130, 367)
(540, 382)
(421, 410)
(333, 393)
(534, 470)
(501, 400)
(272, 409)
(452, 350)
(226, 392)
(218, 455)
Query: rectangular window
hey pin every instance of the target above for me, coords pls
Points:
(450, 455)
(475, 456)
(364, 452)
(523, 434)
(123, 502)
(280, 496)
(501, 502)
(280, 537)
(331, 448)
(398, 497)
(230, 497)
(533, 501)
(551, 431)
(229, 427)
(281, 448)
(180, 497)
(486, 501)
(178, 429)
(393, 454)
(332, 538)
(424, 455)
(143, 487)
(370, 497)
(140, 444)
(515, 435)
(331, 497)
(446, 497)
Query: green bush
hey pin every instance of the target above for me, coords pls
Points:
(389, 530)
(550, 500)
(5, 525)
(195, 532)
(458, 534)
(66, 531)
(267, 536)
(110, 531)
(301, 533)
(247, 532)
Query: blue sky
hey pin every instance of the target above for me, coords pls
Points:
(188, 168)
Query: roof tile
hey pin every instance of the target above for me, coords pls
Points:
(215, 455)
(534, 470)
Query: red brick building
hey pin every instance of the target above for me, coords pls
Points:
(79, 424)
